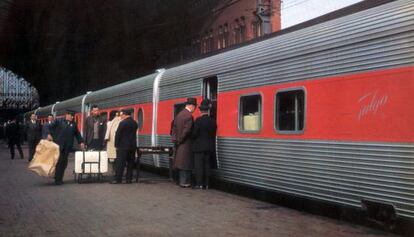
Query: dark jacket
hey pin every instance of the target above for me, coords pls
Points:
(126, 134)
(46, 130)
(33, 131)
(88, 129)
(65, 132)
(181, 136)
(204, 134)
(13, 133)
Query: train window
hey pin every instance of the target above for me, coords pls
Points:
(290, 111)
(178, 107)
(104, 116)
(250, 113)
(140, 117)
(112, 114)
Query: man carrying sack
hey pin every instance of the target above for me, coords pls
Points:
(45, 159)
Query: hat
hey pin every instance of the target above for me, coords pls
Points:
(205, 105)
(126, 112)
(71, 112)
(191, 101)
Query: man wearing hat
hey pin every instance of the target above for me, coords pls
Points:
(126, 145)
(204, 145)
(64, 132)
(181, 136)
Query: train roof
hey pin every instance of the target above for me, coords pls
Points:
(74, 104)
(125, 93)
(44, 111)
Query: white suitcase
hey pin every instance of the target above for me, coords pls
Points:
(91, 160)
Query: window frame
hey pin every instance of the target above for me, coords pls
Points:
(106, 115)
(174, 106)
(239, 113)
(275, 121)
(140, 125)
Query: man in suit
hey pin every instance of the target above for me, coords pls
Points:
(46, 128)
(204, 145)
(13, 136)
(181, 137)
(94, 130)
(33, 131)
(65, 132)
(126, 145)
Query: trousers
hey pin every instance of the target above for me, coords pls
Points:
(32, 147)
(202, 168)
(125, 157)
(19, 148)
(61, 164)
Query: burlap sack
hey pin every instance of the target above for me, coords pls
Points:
(45, 159)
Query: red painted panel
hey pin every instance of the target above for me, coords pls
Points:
(374, 106)
(147, 124)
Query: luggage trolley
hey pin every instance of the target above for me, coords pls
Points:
(155, 150)
(90, 164)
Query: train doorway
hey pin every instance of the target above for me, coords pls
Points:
(210, 92)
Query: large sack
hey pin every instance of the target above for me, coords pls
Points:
(45, 159)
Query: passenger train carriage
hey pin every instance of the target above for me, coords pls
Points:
(323, 112)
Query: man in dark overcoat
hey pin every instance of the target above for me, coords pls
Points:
(65, 131)
(204, 145)
(33, 131)
(126, 146)
(94, 130)
(13, 136)
(181, 136)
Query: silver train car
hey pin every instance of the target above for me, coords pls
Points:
(319, 113)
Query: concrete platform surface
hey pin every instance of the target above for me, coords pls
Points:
(33, 206)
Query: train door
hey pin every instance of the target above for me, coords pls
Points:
(210, 92)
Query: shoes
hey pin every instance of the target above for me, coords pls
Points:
(129, 181)
(115, 182)
(185, 185)
(205, 187)
(198, 187)
(58, 182)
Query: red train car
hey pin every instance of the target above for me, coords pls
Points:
(323, 113)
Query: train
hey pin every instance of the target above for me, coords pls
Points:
(323, 113)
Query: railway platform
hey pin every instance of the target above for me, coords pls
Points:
(33, 206)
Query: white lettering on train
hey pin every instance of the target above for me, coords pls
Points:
(371, 103)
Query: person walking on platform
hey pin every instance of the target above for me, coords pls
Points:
(46, 128)
(181, 137)
(94, 130)
(126, 145)
(204, 145)
(65, 132)
(33, 130)
(13, 137)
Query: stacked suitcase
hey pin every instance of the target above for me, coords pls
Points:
(90, 165)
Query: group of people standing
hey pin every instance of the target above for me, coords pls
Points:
(119, 136)
(194, 143)
(32, 130)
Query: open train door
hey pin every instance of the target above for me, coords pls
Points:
(210, 92)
